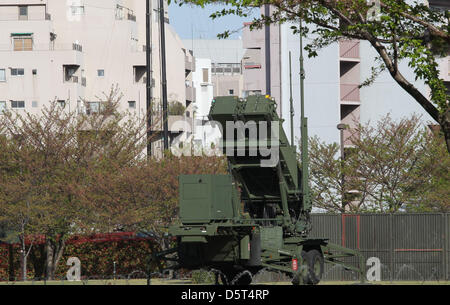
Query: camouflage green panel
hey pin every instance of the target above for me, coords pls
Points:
(271, 237)
(204, 198)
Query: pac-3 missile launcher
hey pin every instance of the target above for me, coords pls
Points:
(258, 216)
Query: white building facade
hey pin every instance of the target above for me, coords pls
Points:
(75, 51)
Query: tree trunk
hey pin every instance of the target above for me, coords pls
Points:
(445, 125)
(442, 119)
(24, 267)
(24, 258)
(12, 276)
(55, 250)
(38, 260)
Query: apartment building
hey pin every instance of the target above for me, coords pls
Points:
(75, 51)
(332, 93)
(226, 63)
(218, 73)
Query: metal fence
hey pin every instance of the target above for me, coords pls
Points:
(411, 247)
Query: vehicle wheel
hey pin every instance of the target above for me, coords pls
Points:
(314, 262)
(245, 278)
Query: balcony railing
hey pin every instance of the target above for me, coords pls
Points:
(190, 94)
(350, 93)
(189, 63)
(77, 47)
(349, 48)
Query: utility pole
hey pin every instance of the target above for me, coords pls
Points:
(164, 75)
(267, 47)
(149, 77)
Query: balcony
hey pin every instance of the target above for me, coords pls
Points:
(349, 50)
(350, 93)
(131, 17)
(189, 64)
(190, 94)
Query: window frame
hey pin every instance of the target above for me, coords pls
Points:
(62, 103)
(17, 71)
(23, 48)
(17, 105)
(205, 72)
(131, 104)
(93, 110)
(23, 16)
(4, 75)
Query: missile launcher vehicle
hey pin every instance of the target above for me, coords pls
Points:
(258, 215)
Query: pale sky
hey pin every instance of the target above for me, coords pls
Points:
(194, 22)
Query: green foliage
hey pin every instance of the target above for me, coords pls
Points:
(202, 277)
(176, 108)
(64, 173)
(392, 166)
(97, 259)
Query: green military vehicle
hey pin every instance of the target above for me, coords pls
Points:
(258, 216)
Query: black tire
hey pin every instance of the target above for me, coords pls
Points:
(315, 264)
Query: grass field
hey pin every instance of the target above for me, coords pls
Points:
(187, 282)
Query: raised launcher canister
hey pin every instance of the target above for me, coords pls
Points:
(257, 217)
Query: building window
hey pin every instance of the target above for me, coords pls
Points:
(231, 92)
(2, 106)
(17, 72)
(62, 103)
(101, 73)
(17, 104)
(132, 104)
(23, 12)
(34, 72)
(34, 104)
(140, 74)
(77, 10)
(23, 43)
(205, 75)
(2, 75)
(93, 107)
(69, 73)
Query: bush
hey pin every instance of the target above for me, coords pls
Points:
(202, 277)
(176, 108)
(97, 259)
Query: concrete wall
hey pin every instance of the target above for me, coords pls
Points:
(385, 95)
(204, 89)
